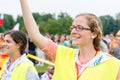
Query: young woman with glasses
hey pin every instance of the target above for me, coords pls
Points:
(88, 62)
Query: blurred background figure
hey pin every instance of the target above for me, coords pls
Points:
(116, 49)
(32, 50)
(41, 55)
(3, 56)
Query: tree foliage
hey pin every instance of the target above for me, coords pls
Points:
(59, 24)
(8, 23)
(109, 24)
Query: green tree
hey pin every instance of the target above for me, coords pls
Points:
(8, 23)
(118, 21)
(60, 24)
(65, 22)
(109, 24)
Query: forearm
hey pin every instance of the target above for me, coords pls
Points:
(29, 21)
(31, 26)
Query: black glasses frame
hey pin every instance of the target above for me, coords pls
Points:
(79, 28)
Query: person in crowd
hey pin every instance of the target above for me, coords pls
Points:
(62, 41)
(18, 66)
(116, 49)
(113, 43)
(104, 46)
(88, 62)
(3, 56)
(32, 50)
(47, 75)
(41, 55)
(57, 38)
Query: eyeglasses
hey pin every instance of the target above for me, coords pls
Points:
(79, 28)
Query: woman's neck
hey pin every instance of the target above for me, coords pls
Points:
(14, 57)
(86, 54)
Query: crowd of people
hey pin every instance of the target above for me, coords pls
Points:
(85, 54)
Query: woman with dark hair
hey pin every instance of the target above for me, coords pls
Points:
(18, 66)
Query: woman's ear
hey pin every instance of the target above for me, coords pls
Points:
(94, 35)
(19, 44)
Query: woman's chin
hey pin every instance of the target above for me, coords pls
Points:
(75, 44)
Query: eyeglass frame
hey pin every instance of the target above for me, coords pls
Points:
(79, 28)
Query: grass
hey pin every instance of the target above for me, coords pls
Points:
(41, 68)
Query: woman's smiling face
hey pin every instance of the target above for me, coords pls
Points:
(81, 36)
(10, 46)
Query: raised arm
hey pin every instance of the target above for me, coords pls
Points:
(31, 26)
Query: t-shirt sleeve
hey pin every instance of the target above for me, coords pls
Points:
(50, 49)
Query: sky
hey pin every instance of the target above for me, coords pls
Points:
(72, 7)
